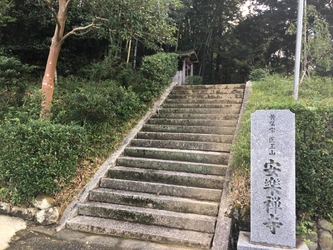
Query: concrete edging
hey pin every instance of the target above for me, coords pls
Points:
(221, 239)
(72, 208)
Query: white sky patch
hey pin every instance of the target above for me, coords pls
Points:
(250, 6)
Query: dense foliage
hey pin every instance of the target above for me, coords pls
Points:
(105, 80)
(314, 137)
(37, 157)
(229, 44)
(89, 119)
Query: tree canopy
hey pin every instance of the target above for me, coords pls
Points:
(229, 45)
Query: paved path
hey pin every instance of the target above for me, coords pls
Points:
(42, 238)
(8, 227)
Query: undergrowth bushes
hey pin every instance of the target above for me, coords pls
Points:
(92, 103)
(314, 137)
(89, 118)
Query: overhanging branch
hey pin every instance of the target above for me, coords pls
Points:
(79, 31)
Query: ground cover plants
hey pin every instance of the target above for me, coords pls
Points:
(90, 116)
(314, 141)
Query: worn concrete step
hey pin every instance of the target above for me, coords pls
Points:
(185, 137)
(203, 110)
(197, 116)
(228, 109)
(178, 155)
(193, 222)
(167, 177)
(189, 129)
(188, 145)
(205, 96)
(162, 189)
(193, 122)
(207, 91)
(139, 231)
(209, 86)
(162, 202)
(196, 105)
(202, 101)
(189, 167)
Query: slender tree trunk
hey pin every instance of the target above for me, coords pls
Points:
(135, 53)
(305, 59)
(51, 64)
(129, 51)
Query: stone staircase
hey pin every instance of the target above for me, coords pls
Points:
(167, 185)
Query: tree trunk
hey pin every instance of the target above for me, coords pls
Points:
(48, 79)
(51, 64)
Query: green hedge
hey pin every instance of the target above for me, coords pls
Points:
(314, 157)
(160, 67)
(38, 157)
(157, 72)
(314, 138)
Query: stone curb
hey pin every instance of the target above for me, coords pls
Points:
(33, 216)
(72, 208)
(222, 234)
(27, 214)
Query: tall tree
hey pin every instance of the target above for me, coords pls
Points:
(145, 20)
(205, 26)
(60, 17)
(318, 44)
(5, 6)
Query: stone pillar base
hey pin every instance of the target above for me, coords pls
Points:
(245, 244)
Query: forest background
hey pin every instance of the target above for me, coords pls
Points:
(112, 65)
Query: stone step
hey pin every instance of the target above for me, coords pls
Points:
(139, 231)
(209, 86)
(205, 96)
(197, 105)
(204, 194)
(189, 129)
(197, 116)
(167, 177)
(185, 137)
(188, 145)
(189, 167)
(193, 122)
(178, 155)
(207, 91)
(229, 109)
(193, 222)
(202, 101)
(154, 201)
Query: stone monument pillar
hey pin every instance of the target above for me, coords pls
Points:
(273, 209)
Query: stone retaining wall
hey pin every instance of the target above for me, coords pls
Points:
(319, 235)
(43, 212)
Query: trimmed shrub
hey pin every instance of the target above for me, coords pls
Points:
(157, 71)
(160, 67)
(258, 75)
(38, 157)
(314, 157)
(194, 80)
